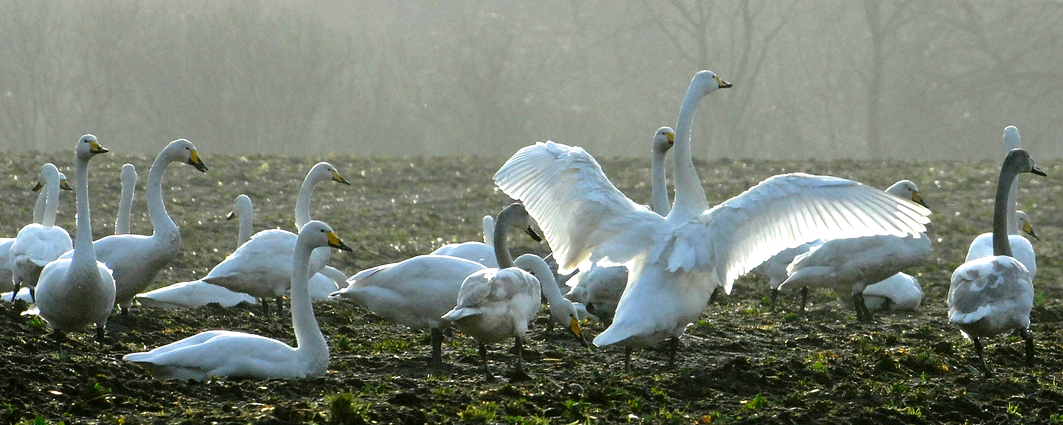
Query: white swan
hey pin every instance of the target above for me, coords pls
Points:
(37, 244)
(260, 267)
(78, 291)
(1021, 248)
(228, 353)
(125, 202)
(482, 252)
(496, 303)
(677, 261)
(136, 259)
(599, 287)
(414, 292)
(198, 293)
(991, 295)
(5, 247)
(849, 265)
(899, 292)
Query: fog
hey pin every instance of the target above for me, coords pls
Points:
(812, 78)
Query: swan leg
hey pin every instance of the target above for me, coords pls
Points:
(627, 358)
(33, 295)
(774, 295)
(518, 373)
(804, 297)
(265, 306)
(15, 292)
(1028, 336)
(437, 346)
(978, 350)
(99, 334)
(863, 314)
(483, 356)
(280, 305)
(673, 350)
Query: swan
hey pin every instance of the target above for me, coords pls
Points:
(414, 292)
(1021, 248)
(896, 293)
(849, 265)
(78, 291)
(125, 202)
(991, 295)
(496, 303)
(136, 259)
(37, 244)
(599, 287)
(326, 282)
(482, 252)
(6, 283)
(228, 353)
(677, 261)
(260, 267)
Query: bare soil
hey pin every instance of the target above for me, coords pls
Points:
(740, 363)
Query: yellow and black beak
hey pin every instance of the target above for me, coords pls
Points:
(95, 147)
(723, 84)
(193, 160)
(232, 215)
(38, 186)
(335, 242)
(336, 177)
(64, 185)
(576, 330)
(919, 200)
(671, 138)
(1028, 228)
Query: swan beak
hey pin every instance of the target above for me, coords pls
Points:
(671, 138)
(1037, 170)
(723, 84)
(1028, 228)
(335, 242)
(919, 200)
(64, 185)
(193, 160)
(37, 186)
(232, 215)
(336, 177)
(531, 233)
(577, 331)
(96, 148)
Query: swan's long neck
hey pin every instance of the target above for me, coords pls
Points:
(659, 183)
(160, 219)
(51, 199)
(501, 244)
(84, 255)
(489, 230)
(1001, 206)
(38, 207)
(125, 204)
(246, 226)
(1013, 199)
(542, 272)
(302, 203)
(689, 195)
(307, 333)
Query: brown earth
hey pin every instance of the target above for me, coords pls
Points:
(741, 363)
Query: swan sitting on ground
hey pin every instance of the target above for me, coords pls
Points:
(78, 291)
(991, 295)
(261, 266)
(125, 202)
(414, 292)
(228, 353)
(1021, 248)
(679, 260)
(136, 259)
(37, 244)
(599, 287)
(497, 303)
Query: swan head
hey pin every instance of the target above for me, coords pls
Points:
(49, 173)
(1011, 137)
(88, 147)
(663, 139)
(324, 171)
(183, 150)
(241, 208)
(129, 174)
(1019, 161)
(318, 234)
(907, 190)
(63, 184)
(1025, 224)
(706, 82)
(517, 216)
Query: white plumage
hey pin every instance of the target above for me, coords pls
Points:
(37, 244)
(228, 353)
(125, 201)
(677, 261)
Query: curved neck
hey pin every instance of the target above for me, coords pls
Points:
(1013, 199)
(246, 226)
(307, 333)
(160, 219)
(659, 183)
(84, 254)
(51, 201)
(501, 243)
(489, 230)
(536, 266)
(38, 208)
(689, 195)
(302, 203)
(1001, 204)
(125, 204)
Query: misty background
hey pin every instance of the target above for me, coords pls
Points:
(812, 78)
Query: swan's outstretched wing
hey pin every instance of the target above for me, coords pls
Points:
(583, 216)
(787, 210)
